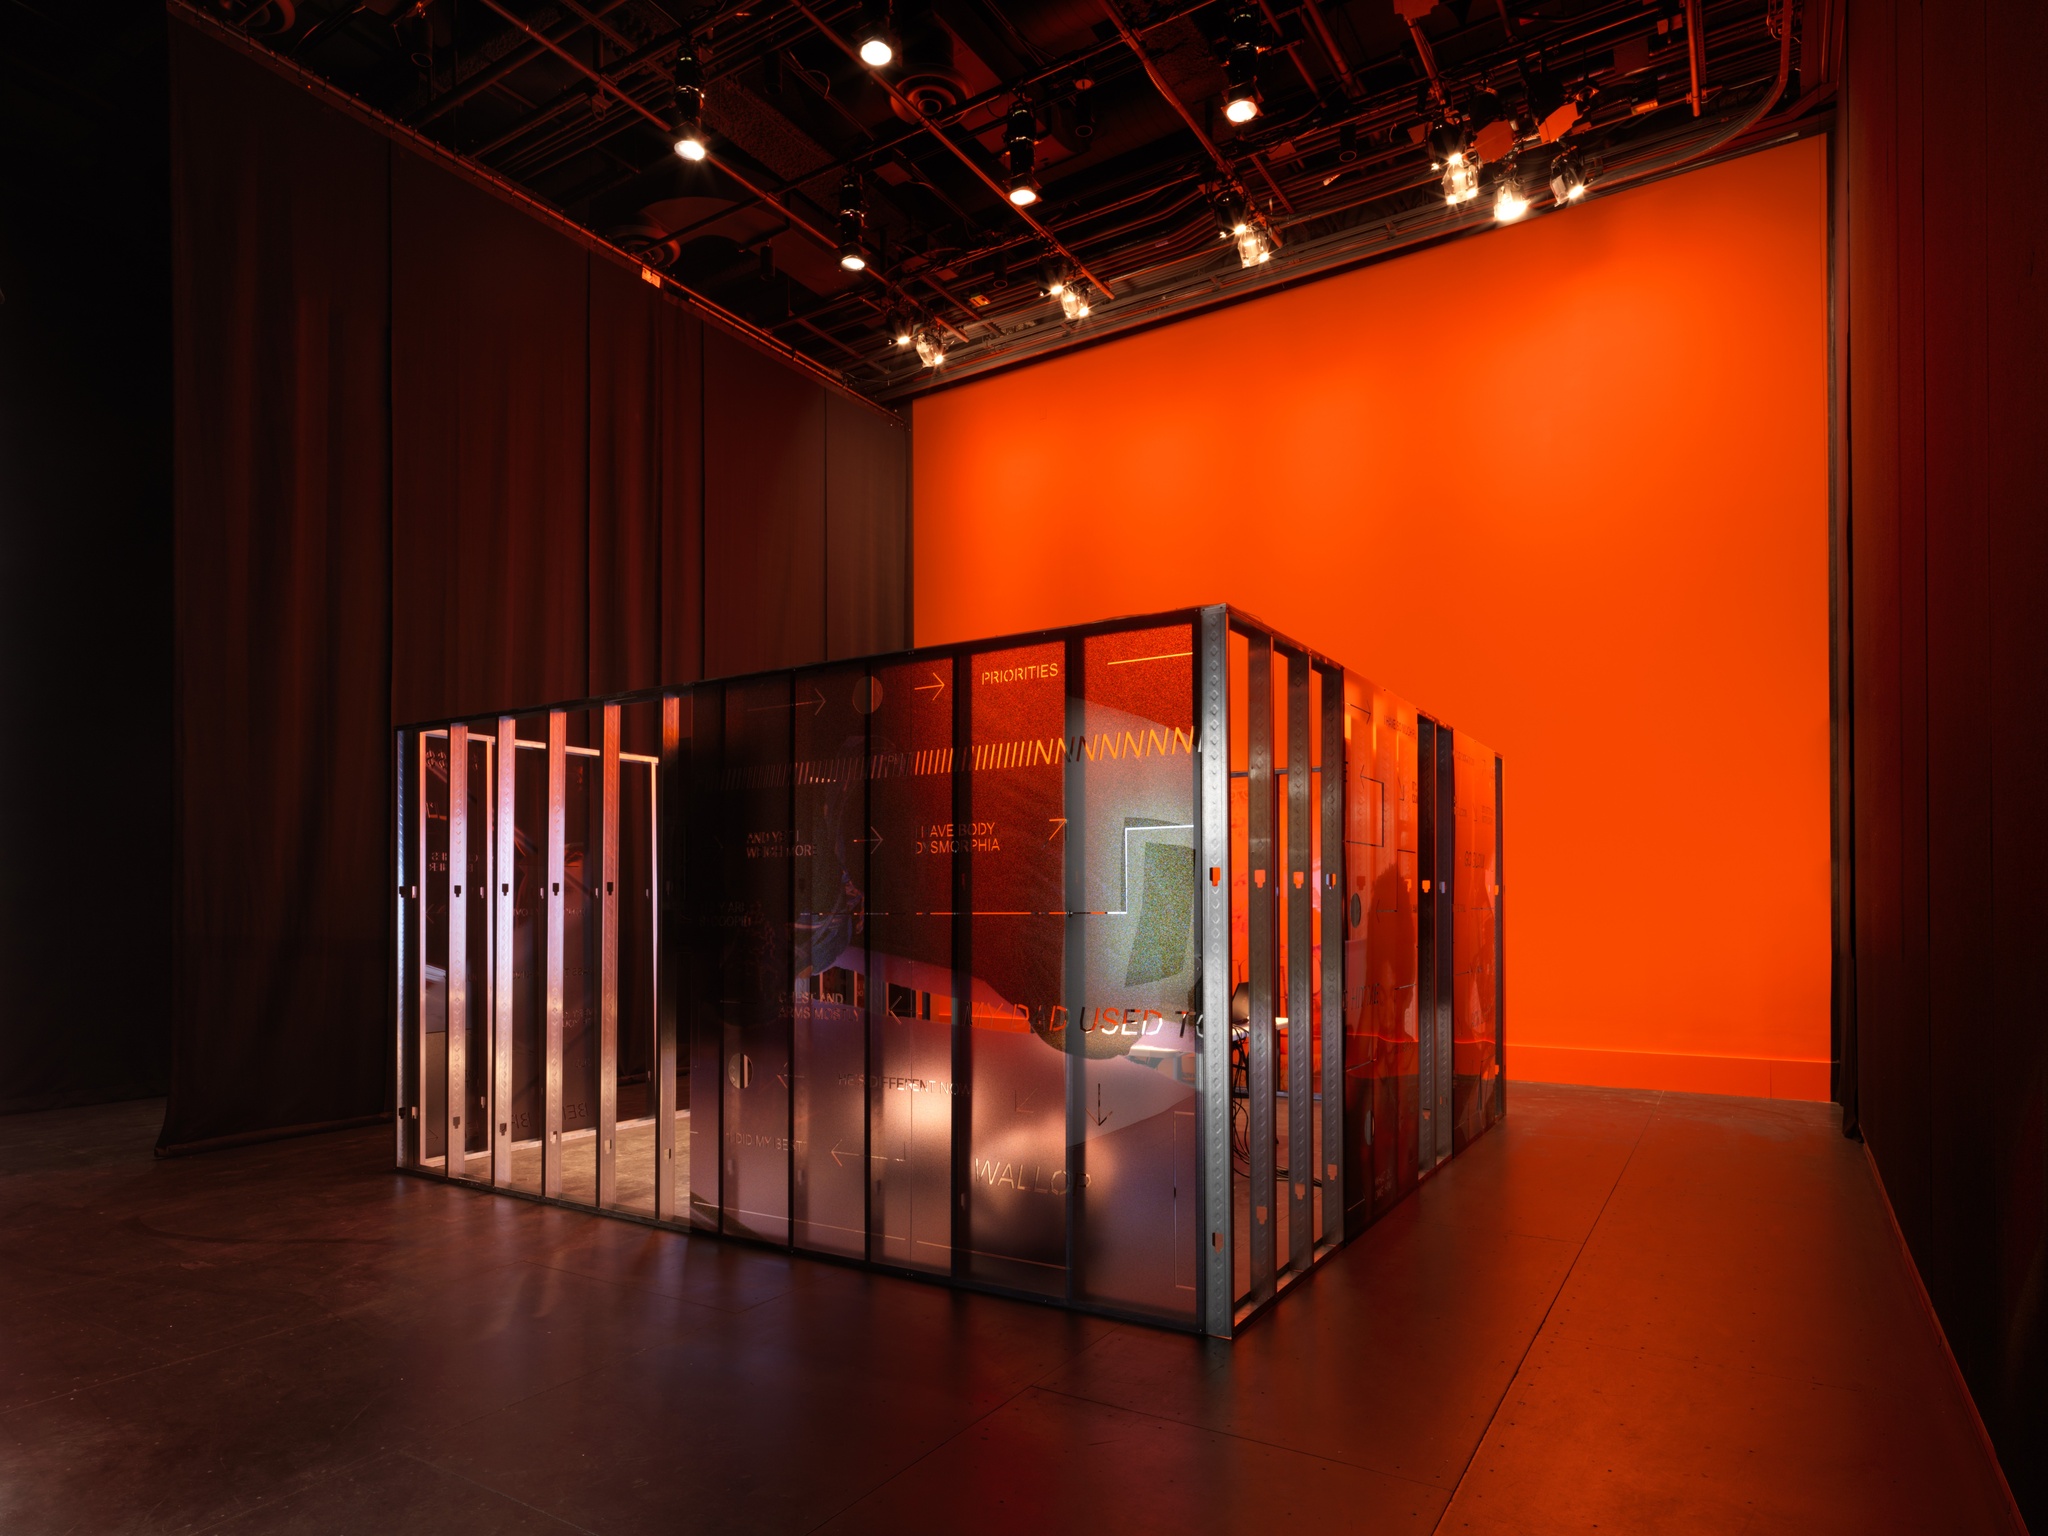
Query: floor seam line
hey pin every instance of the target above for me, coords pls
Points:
(1544, 1321)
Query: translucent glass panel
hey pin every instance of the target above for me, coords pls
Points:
(829, 865)
(1475, 894)
(910, 926)
(1012, 837)
(1382, 1003)
(746, 867)
(1133, 973)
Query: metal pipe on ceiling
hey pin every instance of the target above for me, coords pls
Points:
(761, 193)
(1080, 267)
(1696, 51)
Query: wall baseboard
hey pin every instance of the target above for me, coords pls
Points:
(1753, 1077)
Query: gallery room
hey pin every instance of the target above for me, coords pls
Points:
(942, 765)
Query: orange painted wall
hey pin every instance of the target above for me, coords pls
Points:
(1564, 485)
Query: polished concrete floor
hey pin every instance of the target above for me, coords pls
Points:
(1621, 1311)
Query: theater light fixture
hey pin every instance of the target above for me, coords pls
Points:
(1020, 142)
(1074, 302)
(689, 139)
(1509, 203)
(902, 327)
(1451, 152)
(1241, 67)
(1254, 245)
(1567, 178)
(930, 350)
(877, 42)
(853, 217)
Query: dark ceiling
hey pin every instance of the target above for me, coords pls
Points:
(575, 101)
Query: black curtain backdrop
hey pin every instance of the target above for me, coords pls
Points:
(438, 456)
(85, 536)
(283, 602)
(1939, 271)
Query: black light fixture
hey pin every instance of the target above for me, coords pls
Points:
(1568, 178)
(1020, 141)
(1232, 217)
(1084, 108)
(853, 218)
(876, 40)
(1347, 143)
(689, 140)
(1241, 67)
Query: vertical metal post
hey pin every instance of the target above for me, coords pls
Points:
(1335, 784)
(403, 953)
(667, 807)
(1301, 1024)
(504, 903)
(1212, 1028)
(551, 1129)
(608, 967)
(963, 963)
(1074, 967)
(1446, 932)
(419, 942)
(1426, 940)
(1500, 937)
(1263, 912)
(457, 1038)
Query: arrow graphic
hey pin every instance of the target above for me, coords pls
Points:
(815, 704)
(873, 839)
(1059, 825)
(1101, 1115)
(935, 687)
(838, 1157)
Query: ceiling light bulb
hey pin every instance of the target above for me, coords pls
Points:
(1241, 109)
(1073, 302)
(1509, 204)
(1023, 191)
(1461, 180)
(690, 143)
(852, 258)
(877, 51)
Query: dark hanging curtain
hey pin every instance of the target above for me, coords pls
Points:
(436, 458)
(490, 438)
(282, 654)
(85, 534)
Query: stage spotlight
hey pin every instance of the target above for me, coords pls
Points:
(1451, 151)
(1254, 245)
(1241, 67)
(877, 42)
(1074, 301)
(689, 138)
(853, 218)
(1567, 178)
(1509, 204)
(902, 327)
(930, 350)
(1020, 143)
